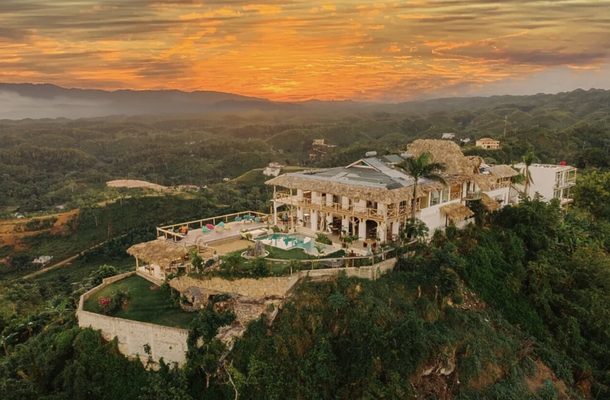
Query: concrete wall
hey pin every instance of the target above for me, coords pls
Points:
(165, 342)
(433, 217)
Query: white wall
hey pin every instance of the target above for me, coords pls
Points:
(433, 217)
(503, 192)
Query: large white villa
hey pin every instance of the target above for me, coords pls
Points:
(372, 197)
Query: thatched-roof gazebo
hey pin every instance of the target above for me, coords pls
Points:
(457, 212)
(158, 252)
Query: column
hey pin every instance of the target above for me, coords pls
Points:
(300, 194)
(345, 225)
(329, 222)
(382, 209)
(395, 228)
(362, 230)
(345, 202)
(329, 200)
(314, 220)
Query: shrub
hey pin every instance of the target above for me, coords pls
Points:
(104, 271)
(322, 238)
(259, 267)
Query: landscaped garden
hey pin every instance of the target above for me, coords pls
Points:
(139, 300)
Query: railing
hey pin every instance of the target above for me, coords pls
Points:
(168, 229)
(499, 185)
(352, 210)
(563, 184)
(473, 195)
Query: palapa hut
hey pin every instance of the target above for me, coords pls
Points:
(161, 256)
(372, 197)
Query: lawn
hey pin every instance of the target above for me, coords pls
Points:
(153, 306)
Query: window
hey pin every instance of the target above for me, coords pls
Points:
(570, 176)
(439, 197)
(557, 194)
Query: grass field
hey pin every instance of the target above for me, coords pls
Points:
(153, 306)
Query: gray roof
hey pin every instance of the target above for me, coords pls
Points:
(370, 172)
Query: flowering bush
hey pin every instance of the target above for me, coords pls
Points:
(116, 300)
(104, 303)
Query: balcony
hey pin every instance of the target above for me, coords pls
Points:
(472, 195)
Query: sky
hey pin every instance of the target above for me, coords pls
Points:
(296, 50)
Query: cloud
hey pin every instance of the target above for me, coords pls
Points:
(301, 48)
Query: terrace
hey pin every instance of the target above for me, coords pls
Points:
(205, 234)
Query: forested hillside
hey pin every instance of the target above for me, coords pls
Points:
(516, 306)
(63, 162)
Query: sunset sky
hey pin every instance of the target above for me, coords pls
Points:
(302, 49)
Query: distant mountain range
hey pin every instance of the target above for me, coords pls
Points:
(21, 101)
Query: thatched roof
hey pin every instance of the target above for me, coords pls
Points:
(459, 169)
(159, 252)
(489, 203)
(369, 193)
(449, 154)
(456, 211)
(502, 171)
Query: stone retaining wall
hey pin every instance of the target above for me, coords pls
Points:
(277, 286)
(170, 343)
(165, 342)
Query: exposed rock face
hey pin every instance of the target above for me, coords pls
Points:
(258, 250)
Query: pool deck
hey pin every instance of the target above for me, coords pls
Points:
(197, 236)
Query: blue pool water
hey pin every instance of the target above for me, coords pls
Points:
(287, 242)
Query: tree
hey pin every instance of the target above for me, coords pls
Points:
(422, 167)
(593, 194)
(104, 271)
(528, 160)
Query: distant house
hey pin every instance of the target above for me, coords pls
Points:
(319, 148)
(466, 140)
(488, 144)
(448, 136)
(42, 261)
(273, 169)
(19, 215)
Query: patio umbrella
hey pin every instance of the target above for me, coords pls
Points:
(209, 226)
(222, 224)
(205, 229)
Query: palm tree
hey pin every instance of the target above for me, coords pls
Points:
(422, 167)
(528, 160)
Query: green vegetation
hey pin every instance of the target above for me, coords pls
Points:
(147, 303)
(514, 307)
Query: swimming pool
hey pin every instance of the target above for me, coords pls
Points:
(287, 242)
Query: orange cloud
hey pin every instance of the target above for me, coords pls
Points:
(298, 50)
